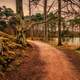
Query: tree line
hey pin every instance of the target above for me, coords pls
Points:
(66, 13)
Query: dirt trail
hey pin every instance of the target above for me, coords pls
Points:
(48, 64)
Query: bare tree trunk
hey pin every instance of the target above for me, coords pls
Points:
(59, 23)
(45, 18)
(19, 7)
(20, 30)
(31, 32)
(29, 8)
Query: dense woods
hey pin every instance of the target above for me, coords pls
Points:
(57, 23)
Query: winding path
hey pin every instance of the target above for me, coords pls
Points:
(48, 64)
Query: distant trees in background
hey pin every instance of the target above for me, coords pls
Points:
(37, 17)
(64, 19)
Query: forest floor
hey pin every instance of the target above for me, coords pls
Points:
(44, 62)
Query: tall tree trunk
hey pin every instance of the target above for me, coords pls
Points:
(20, 35)
(45, 19)
(19, 8)
(59, 23)
(31, 32)
(30, 8)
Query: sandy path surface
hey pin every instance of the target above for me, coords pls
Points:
(49, 63)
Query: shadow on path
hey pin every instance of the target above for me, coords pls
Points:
(31, 69)
(72, 56)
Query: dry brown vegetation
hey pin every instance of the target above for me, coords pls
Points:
(11, 53)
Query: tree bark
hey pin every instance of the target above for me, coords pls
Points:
(29, 8)
(59, 23)
(45, 19)
(19, 8)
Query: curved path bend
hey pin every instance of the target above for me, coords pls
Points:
(49, 64)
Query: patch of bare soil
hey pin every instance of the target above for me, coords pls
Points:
(43, 62)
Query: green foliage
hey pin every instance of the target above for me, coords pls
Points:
(74, 21)
(2, 25)
(4, 11)
(51, 15)
(4, 14)
(37, 17)
(5, 62)
(8, 12)
(77, 20)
